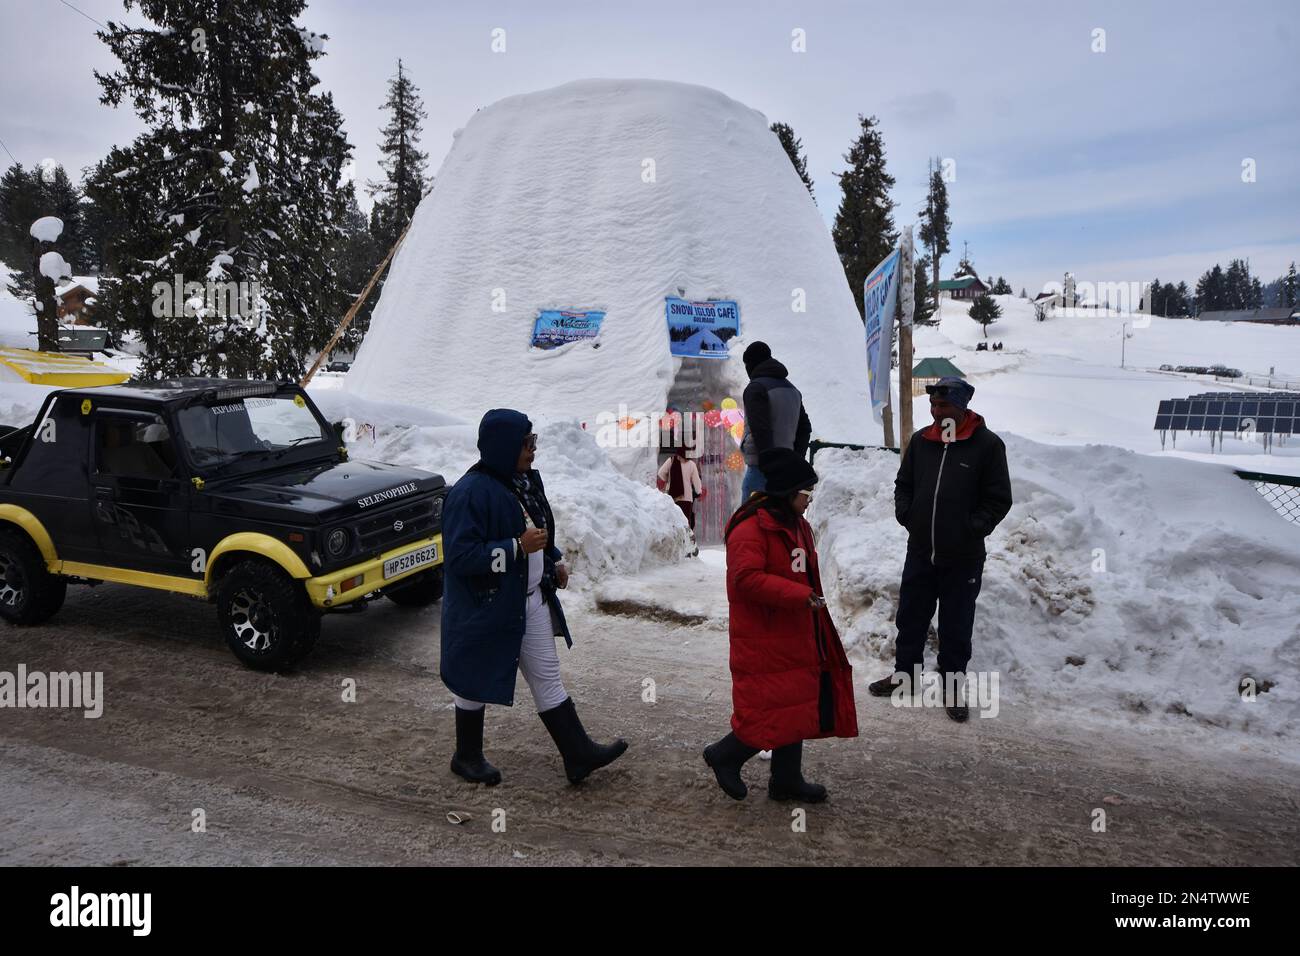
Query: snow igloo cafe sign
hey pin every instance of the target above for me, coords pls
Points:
(701, 329)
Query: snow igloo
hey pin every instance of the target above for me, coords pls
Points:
(614, 196)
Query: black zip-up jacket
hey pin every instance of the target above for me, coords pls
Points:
(951, 495)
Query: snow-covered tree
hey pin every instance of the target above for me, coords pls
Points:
(985, 311)
(405, 178)
(1290, 287)
(935, 223)
(864, 230)
(236, 179)
(1001, 287)
(794, 149)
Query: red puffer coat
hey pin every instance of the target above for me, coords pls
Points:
(790, 678)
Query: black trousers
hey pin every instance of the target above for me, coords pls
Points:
(953, 588)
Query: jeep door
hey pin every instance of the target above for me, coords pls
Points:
(140, 494)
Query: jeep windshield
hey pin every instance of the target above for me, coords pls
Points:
(255, 429)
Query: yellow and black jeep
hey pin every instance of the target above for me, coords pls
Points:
(239, 493)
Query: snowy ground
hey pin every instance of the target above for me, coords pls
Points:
(287, 772)
(1059, 382)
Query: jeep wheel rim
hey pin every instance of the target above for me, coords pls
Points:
(253, 621)
(12, 585)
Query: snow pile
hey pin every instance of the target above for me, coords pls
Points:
(1197, 591)
(611, 194)
(47, 229)
(606, 523)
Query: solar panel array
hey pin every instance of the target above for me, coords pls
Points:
(1272, 413)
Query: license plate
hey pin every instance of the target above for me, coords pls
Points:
(411, 560)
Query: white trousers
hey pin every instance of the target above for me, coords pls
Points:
(538, 661)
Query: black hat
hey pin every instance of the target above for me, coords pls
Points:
(786, 472)
(758, 352)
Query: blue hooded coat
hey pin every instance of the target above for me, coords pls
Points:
(485, 592)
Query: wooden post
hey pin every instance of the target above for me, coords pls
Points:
(352, 312)
(906, 307)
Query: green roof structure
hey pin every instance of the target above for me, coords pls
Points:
(965, 282)
(936, 368)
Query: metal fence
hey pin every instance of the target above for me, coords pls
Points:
(1280, 491)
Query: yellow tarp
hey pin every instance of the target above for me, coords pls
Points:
(54, 368)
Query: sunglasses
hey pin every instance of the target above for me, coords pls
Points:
(807, 493)
(530, 442)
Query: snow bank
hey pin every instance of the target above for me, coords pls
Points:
(1198, 589)
(607, 524)
(543, 202)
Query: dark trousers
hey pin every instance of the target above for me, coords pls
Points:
(688, 509)
(954, 589)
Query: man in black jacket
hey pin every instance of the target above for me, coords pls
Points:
(952, 490)
(774, 416)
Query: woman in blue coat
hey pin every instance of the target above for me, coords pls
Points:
(500, 609)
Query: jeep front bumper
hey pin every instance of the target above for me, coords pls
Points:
(357, 580)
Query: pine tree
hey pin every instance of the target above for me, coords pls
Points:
(924, 307)
(1152, 298)
(359, 254)
(1182, 304)
(984, 311)
(1211, 291)
(935, 224)
(405, 178)
(794, 149)
(1002, 287)
(864, 230)
(1290, 287)
(20, 203)
(965, 267)
(236, 179)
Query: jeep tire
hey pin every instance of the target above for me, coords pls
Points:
(266, 617)
(29, 594)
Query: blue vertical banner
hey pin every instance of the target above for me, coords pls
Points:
(879, 298)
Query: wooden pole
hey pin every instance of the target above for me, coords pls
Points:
(352, 312)
(906, 306)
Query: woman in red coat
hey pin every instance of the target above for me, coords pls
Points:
(790, 678)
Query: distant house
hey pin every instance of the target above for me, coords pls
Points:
(929, 370)
(963, 287)
(77, 299)
(1284, 315)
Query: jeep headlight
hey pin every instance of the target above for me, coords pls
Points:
(337, 542)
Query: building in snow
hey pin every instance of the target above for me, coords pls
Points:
(612, 196)
(1278, 315)
(964, 287)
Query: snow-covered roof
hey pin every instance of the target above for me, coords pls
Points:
(89, 283)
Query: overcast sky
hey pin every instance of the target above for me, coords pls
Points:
(1118, 165)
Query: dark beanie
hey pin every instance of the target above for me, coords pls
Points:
(758, 352)
(785, 472)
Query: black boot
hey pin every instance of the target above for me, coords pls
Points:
(787, 782)
(954, 697)
(468, 760)
(886, 686)
(581, 754)
(726, 757)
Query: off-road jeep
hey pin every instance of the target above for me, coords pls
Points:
(240, 493)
